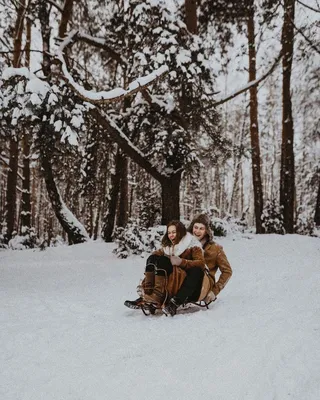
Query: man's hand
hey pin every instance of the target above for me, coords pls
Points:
(175, 260)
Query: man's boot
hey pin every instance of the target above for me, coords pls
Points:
(148, 283)
(171, 307)
(134, 304)
(159, 291)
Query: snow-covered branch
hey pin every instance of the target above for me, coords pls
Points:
(114, 94)
(173, 115)
(103, 96)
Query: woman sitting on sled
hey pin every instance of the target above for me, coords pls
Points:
(187, 282)
(177, 269)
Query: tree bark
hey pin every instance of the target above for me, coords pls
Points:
(317, 212)
(254, 130)
(237, 168)
(123, 209)
(65, 17)
(191, 16)
(170, 203)
(287, 176)
(170, 198)
(18, 30)
(26, 201)
(11, 195)
(76, 233)
(108, 223)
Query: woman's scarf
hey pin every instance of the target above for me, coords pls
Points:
(185, 243)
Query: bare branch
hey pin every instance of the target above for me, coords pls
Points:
(119, 137)
(310, 8)
(54, 4)
(312, 45)
(76, 36)
(22, 51)
(247, 87)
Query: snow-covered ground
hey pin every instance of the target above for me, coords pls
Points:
(65, 334)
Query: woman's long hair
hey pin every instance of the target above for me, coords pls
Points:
(181, 232)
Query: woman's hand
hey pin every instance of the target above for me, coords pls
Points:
(175, 260)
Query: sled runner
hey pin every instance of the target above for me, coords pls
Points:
(174, 282)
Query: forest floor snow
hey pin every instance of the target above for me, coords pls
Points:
(66, 335)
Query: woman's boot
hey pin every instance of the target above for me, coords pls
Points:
(159, 291)
(148, 285)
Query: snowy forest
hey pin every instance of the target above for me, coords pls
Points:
(131, 113)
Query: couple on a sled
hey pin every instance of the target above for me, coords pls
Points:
(183, 270)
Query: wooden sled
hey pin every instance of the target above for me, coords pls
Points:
(175, 280)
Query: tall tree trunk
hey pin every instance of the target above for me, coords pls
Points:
(26, 202)
(34, 203)
(75, 231)
(18, 30)
(11, 195)
(109, 219)
(237, 167)
(123, 209)
(123, 142)
(65, 17)
(254, 130)
(170, 198)
(287, 178)
(217, 188)
(191, 16)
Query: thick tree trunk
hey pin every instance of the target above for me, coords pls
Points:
(170, 198)
(75, 231)
(108, 223)
(287, 178)
(123, 209)
(65, 17)
(11, 195)
(191, 16)
(254, 130)
(26, 200)
(170, 207)
(18, 30)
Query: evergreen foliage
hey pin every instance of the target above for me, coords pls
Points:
(272, 219)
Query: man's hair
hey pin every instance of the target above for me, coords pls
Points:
(205, 220)
(181, 232)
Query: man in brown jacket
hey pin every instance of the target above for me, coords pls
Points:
(215, 259)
